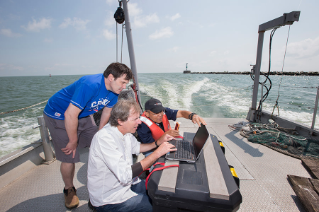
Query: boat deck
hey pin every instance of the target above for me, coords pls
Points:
(262, 172)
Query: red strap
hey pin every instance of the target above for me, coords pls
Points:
(133, 86)
(157, 169)
(155, 164)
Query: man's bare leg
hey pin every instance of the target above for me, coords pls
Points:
(67, 171)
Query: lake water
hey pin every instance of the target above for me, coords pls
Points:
(209, 95)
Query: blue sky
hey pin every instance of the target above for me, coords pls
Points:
(69, 37)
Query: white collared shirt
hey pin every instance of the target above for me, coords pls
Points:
(109, 168)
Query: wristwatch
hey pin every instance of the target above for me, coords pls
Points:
(190, 116)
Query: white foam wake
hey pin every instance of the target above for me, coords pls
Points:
(174, 95)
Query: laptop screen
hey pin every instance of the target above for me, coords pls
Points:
(200, 139)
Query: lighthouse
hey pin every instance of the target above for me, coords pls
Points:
(186, 71)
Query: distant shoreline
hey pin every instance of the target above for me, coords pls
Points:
(302, 73)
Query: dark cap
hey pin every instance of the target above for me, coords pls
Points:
(154, 105)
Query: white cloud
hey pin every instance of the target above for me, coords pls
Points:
(139, 20)
(142, 21)
(108, 34)
(77, 23)
(176, 16)
(9, 33)
(163, 33)
(58, 66)
(110, 2)
(212, 53)
(7, 67)
(36, 26)
(63, 64)
(304, 49)
(174, 49)
(109, 21)
(133, 9)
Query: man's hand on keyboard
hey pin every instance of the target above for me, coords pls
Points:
(165, 148)
(165, 137)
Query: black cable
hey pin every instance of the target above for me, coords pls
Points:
(266, 75)
(139, 103)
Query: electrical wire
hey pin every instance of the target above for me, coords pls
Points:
(266, 75)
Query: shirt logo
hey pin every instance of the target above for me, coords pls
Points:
(95, 105)
(57, 114)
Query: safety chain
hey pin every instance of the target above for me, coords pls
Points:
(2, 113)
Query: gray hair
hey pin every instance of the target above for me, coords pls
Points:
(126, 94)
(121, 111)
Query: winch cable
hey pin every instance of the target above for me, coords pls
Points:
(122, 42)
(282, 70)
(116, 42)
(119, 17)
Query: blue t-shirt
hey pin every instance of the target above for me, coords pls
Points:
(144, 132)
(88, 93)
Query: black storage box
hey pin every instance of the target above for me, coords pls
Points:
(192, 190)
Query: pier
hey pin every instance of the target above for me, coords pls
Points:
(301, 73)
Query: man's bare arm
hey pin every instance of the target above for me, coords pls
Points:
(196, 119)
(161, 150)
(106, 113)
(71, 124)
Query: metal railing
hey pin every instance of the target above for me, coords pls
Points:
(48, 153)
(315, 111)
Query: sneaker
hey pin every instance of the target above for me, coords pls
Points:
(71, 200)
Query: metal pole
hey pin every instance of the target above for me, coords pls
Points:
(315, 110)
(261, 98)
(257, 74)
(48, 153)
(286, 19)
(130, 47)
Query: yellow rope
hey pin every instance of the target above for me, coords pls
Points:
(22, 108)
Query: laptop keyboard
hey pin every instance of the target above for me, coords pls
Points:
(184, 150)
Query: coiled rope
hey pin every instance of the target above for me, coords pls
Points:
(2, 113)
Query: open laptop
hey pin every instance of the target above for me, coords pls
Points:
(189, 151)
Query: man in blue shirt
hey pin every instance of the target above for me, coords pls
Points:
(68, 118)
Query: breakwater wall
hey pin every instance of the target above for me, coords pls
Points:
(302, 73)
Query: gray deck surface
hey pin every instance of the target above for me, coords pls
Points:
(262, 172)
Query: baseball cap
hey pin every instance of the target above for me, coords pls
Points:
(154, 105)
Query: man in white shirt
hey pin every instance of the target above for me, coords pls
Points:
(113, 181)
